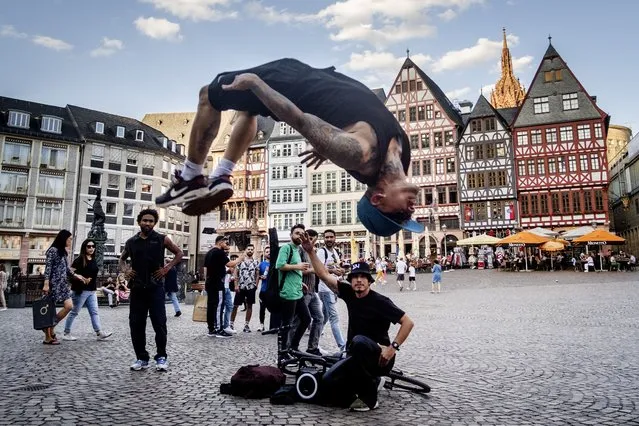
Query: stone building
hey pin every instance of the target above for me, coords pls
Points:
(617, 144)
(623, 194)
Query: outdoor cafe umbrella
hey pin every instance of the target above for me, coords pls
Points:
(599, 237)
(479, 240)
(552, 245)
(523, 239)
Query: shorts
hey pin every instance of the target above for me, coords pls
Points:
(411, 278)
(400, 277)
(245, 296)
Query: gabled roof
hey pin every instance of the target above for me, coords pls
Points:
(36, 110)
(508, 114)
(553, 90)
(483, 109)
(86, 119)
(264, 125)
(379, 92)
(437, 92)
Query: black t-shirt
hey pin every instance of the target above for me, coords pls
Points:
(369, 316)
(90, 270)
(215, 263)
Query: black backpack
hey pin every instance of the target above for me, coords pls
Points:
(271, 296)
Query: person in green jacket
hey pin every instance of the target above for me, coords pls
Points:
(290, 267)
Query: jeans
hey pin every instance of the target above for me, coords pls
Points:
(315, 308)
(109, 294)
(329, 300)
(174, 299)
(292, 334)
(89, 299)
(356, 375)
(228, 307)
(149, 301)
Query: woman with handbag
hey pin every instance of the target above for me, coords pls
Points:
(83, 291)
(56, 286)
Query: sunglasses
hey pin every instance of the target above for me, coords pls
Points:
(90, 246)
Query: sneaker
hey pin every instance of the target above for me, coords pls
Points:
(247, 329)
(178, 313)
(69, 337)
(230, 330)
(223, 334)
(219, 190)
(211, 333)
(103, 335)
(182, 191)
(381, 381)
(260, 328)
(359, 406)
(3, 309)
(140, 365)
(161, 364)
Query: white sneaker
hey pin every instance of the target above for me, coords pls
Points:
(229, 330)
(103, 335)
(260, 328)
(69, 337)
(3, 309)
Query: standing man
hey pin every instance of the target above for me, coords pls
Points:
(331, 259)
(341, 118)
(290, 267)
(247, 274)
(215, 264)
(401, 268)
(312, 301)
(146, 282)
(264, 266)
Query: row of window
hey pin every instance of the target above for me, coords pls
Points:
(441, 195)
(564, 202)
(287, 172)
(417, 113)
(423, 167)
(283, 196)
(409, 86)
(566, 134)
(555, 165)
(482, 125)
(494, 210)
(485, 151)
(48, 214)
(242, 211)
(19, 154)
(48, 123)
(569, 101)
(253, 183)
(490, 179)
(280, 150)
(17, 183)
(326, 183)
(326, 214)
(423, 140)
(285, 221)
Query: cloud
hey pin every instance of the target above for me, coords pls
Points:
(520, 64)
(486, 90)
(108, 47)
(382, 61)
(458, 93)
(484, 50)
(158, 28)
(196, 10)
(448, 15)
(270, 15)
(10, 31)
(51, 43)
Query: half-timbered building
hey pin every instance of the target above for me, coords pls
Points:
(560, 150)
(486, 175)
(432, 123)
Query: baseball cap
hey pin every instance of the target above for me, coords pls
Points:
(380, 224)
(360, 268)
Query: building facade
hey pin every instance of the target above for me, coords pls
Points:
(131, 164)
(286, 180)
(623, 194)
(486, 175)
(560, 151)
(433, 125)
(40, 151)
(617, 144)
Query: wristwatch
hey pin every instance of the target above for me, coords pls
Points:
(395, 346)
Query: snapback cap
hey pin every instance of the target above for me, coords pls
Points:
(380, 224)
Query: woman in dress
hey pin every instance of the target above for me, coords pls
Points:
(83, 292)
(56, 285)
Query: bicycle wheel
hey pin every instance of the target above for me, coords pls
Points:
(400, 381)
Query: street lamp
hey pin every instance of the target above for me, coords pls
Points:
(445, 248)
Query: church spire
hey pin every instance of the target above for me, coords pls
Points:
(508, 91)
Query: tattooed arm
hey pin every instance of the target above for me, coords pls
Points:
(342, 148)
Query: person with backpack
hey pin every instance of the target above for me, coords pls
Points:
(331, 259)
(290, 267)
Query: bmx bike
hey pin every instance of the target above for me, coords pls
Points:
(308, 370)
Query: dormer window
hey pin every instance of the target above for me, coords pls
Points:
(119, 132)
(99, 127)
(165, 141)
(51, 124)
(139, 135)
(19, 119)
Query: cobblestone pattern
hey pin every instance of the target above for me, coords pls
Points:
(497, 348)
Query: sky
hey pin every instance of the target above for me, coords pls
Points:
(132, 57)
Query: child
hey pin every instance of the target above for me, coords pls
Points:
(437, 277)
(411, 276)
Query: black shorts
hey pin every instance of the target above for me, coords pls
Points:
(400, 277)
(411, 278)
(245, 296)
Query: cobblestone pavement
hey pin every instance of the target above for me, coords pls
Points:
(497, 348)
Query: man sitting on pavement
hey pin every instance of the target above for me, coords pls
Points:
(370, 352)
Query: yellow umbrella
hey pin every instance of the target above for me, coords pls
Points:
(552, 246)
(354, 249)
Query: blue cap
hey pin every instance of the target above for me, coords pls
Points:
(380, 224)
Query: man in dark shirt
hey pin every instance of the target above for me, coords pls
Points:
(146, 281)
(370, 351)
(215, 264)
(342, 119)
